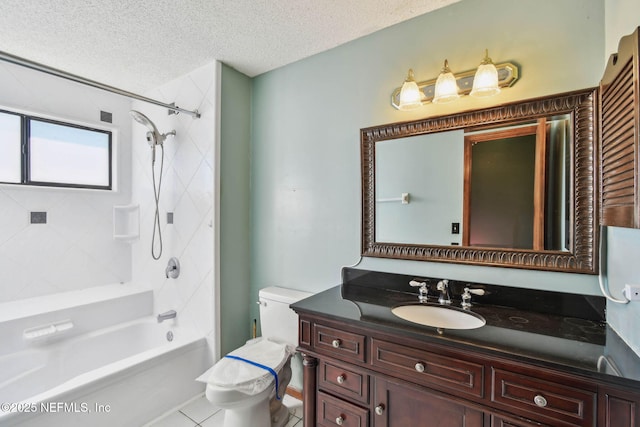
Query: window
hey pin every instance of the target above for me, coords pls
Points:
(35, 151)
(10, 151)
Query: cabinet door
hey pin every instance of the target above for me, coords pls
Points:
(401, 405)
(618, 408)
(619, 140)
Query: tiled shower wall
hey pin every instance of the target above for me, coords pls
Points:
(188, 191)
(75, 249)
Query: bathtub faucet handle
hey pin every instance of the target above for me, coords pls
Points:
(171, 314)
(173, 268)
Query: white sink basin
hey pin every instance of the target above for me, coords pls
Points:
(439, 316)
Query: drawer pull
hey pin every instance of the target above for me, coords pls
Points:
(340, 379)
(419, 367)
(379, 409)
(340, 420)
(540, 401)
(335, 343)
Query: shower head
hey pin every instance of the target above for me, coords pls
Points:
(154, 137)
(142, 119)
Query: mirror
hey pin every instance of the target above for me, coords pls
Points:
(507, 186)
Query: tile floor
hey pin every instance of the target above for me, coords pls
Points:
(200, 413)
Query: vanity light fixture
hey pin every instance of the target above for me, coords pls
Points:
(446, 86)
(485, 82)
(479, 82)
(410, 94)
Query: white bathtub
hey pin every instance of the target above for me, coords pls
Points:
(124, 374)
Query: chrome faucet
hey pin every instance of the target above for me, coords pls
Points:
(443, 287)
(171, 314)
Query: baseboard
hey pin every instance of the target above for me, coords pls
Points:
(294, 392)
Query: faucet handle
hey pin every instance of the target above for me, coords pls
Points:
(466, 296)
(173, 268)
(423, 291)
(417, 284)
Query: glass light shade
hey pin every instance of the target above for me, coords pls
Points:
(485, 82)
(446, 89)
(410, 96)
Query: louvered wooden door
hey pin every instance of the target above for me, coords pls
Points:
(619, 139)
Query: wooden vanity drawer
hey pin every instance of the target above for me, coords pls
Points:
(338, 343)
(504, 421)
(544, 399)
(430, 369)
(335, 412)
(344, 381)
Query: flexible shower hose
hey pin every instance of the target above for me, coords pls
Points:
(156, 193)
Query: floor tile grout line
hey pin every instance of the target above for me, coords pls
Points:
(191, 419)
(209, 417)
(292, 417)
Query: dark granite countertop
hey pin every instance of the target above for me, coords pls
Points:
(551, 329)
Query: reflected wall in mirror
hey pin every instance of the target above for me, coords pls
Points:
(517, 181)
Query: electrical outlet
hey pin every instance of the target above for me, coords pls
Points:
(632, 292)
(455, 228)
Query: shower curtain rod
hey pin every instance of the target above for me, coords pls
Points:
(173, 109)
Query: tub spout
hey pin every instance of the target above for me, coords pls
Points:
(171, 314)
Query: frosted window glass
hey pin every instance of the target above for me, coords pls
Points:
(10, 156)
(69, 155)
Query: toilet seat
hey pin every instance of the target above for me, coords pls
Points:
(246, 377)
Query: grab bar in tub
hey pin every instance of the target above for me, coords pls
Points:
(47, 330)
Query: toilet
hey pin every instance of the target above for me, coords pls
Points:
(245, 391)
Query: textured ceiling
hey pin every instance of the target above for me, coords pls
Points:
(138, 45)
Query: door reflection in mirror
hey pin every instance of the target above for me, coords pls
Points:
(516, 190)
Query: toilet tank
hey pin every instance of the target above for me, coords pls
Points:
(277, 320)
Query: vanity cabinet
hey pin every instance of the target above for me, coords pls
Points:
(355, 375)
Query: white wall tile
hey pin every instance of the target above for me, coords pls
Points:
(75, 249)
(188, 192)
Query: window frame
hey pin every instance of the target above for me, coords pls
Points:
(25, 152)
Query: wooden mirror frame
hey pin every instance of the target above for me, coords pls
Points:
(581, 257)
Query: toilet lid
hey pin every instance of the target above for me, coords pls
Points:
(247, 377)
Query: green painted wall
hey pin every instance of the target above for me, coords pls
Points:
(235, 137)
(307, 115)
(305, 196)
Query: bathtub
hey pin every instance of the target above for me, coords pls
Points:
(122, 374)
